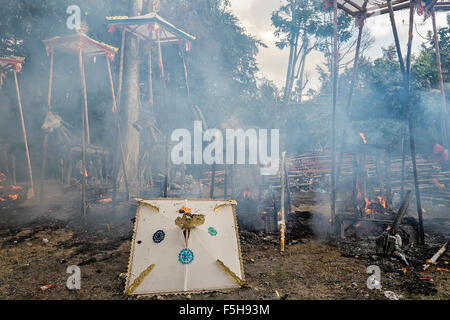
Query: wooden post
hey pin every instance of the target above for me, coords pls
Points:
(185, 70)
(30, 192)
(83, 133)
(388, 181)
(122, 53)
(402, 69)
(410, 122)
(288, 186)
(45, 145)
(360, 24)
(282, 222)
(166, 134)
(354, 179)
(150, 78)
(13, 169)
(333, 120)
(402, 174)
(116, 118)
(444, 115)
(396, 39)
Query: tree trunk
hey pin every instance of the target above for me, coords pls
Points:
(130, 105)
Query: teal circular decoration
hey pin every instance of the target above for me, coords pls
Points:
(186, 256)
(212, 231)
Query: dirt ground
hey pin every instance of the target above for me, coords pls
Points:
(37, 244)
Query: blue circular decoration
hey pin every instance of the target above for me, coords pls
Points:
(186, 256)
(212, 231)
(158, 236)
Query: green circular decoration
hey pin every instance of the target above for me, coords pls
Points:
(212, 231)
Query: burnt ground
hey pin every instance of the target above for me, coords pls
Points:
(38, 243)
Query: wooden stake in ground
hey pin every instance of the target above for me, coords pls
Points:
(333, 119)
(83, 142)
(116, 119)
(412, 143)
(166, 134)
(30, 192)
(49, 106)
(282, 222)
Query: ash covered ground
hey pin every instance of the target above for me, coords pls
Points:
(39, 242)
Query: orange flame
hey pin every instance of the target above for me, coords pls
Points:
(13, 196)
(16, 188)
(248, 194)
(279, 213)
(106, 200)
(2, 199)
(363, 137)
(382, 201)
(368, 202)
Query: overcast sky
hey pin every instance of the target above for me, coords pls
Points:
(255, 18)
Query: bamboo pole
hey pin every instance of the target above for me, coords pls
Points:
(122, 53)
(83, 133)
(402, 69)
(150, 78)
(333, 121)
(116, 118)
(49, 106)
(282, 222)
(350, 94)
(410, 122)
(185, 70)
(444, 115)
(118, 100)
(166, 135)
(30, 192)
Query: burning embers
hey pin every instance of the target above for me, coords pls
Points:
(376, 206)
(9, 193)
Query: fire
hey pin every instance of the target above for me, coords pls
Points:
(2, 177)
(13, 196)
(279, 213)
(437, 184)
(363, 137)
(106, 200)
(382, 201)
(16, 188)
(85, 172)
(368, 202)
(248, 194)
(2, 199)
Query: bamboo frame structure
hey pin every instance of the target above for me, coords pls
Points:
(14, 64)
(154, 30)
(82, 46)
(389, 7)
